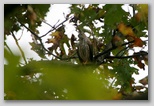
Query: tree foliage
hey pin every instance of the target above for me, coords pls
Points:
(114, 36)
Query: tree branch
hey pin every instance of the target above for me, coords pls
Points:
(124, 49)
(113, 47)
(141, 53)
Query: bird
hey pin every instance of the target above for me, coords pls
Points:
(85, 49)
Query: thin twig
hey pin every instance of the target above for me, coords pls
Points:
(48, 24)
(21, 34)
(53, 28)
(57, 22)
(8, 48)
(22, 53)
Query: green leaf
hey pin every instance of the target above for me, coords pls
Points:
(41, 9)
(114, 14)
(38, 49)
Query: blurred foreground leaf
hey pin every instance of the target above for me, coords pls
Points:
(59, 80)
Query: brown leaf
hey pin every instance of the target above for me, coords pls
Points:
(117, 41)
(138, 17)
(144, 81)
(141, 65)
(62, 52)
(118, 96)
(55, 44)
(138, 59)
(138, 42)
(139, 87)
(145, 57)
(52, 40)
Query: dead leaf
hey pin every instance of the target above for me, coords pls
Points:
(141, 65)
(139, 59)
(144, 81)
(138, 42)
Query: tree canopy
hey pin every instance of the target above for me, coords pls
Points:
(96, 62)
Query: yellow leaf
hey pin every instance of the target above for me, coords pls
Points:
(52, 40)
(142, 12)
(143, 8)
(118, 96)
(58, 35)
(125, 30)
